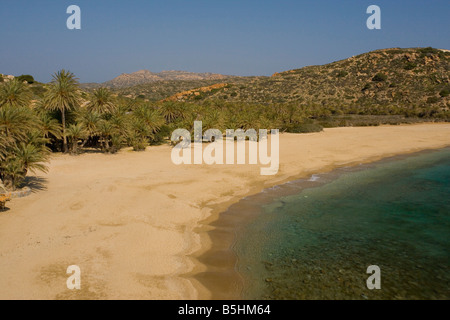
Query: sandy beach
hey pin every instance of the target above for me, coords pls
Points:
(130, 220)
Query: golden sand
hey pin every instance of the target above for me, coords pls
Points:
(131, 220)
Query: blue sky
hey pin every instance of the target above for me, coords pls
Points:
(238, 37)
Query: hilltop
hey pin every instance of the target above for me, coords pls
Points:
(406, 78)
(415, 80)
(146, 76)
(414, 77)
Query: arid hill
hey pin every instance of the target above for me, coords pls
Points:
(413, 77)
(145, 76)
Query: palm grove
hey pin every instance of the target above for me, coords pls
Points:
(61, 117)
(62, 120)
(36, 120)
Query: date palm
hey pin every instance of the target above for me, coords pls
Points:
(102, 101)
(4, 144)
(214, 120)
(50, 126)
(16, 122)
(32, 157)
(14, 93)
(11, 173)
(63, 95)
(173, 111)
(23, 157)
(151, 118)
(90, 121)
(76, 132)
(106, 130)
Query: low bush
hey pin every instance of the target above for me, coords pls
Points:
(26, 77)
(305, 128)
(410, 66)
(379, 77)
(432, 100)
(342, 74)
(445, 92)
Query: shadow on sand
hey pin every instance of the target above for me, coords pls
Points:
(36, 184)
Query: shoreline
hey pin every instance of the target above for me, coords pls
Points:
(135, 223)
(228, 222)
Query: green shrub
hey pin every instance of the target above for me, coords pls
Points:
(428, 50)
(305, 128)
(139, 144)
(26, 77)
(379, 77)
(39, 91)
(342, 74)
(432, 100)
(410, 66)
(445, 92)
(161, 136)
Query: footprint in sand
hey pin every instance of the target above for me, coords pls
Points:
(77, 206)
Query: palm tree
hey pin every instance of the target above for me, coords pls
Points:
(89, 120)
(16, 122)
(214, 120)
(102, 101)
(152, 119)
(76, 132)
(32, 157)
(170, 111)
(63, 95)
(50, 126)
(136, 139)
(23, 158)
(120, 121)
(248, 119)
(4, 144)
(14, 93)
(173, 111)
(106, 130)
(11, 173)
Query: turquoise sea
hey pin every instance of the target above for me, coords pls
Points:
(317, 242)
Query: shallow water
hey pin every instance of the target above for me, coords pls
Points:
(319, 242)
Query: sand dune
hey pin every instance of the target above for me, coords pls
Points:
(129, 220)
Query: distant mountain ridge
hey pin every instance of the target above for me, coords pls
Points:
(146, 76)
(410, 78)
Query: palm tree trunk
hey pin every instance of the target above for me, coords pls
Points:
(64, 131)
(75, 145)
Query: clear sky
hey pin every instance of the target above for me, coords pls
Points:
(236, 37)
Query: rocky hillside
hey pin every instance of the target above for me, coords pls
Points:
(161, 90)
(196, 93)
(391, 77)
(145, 76)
